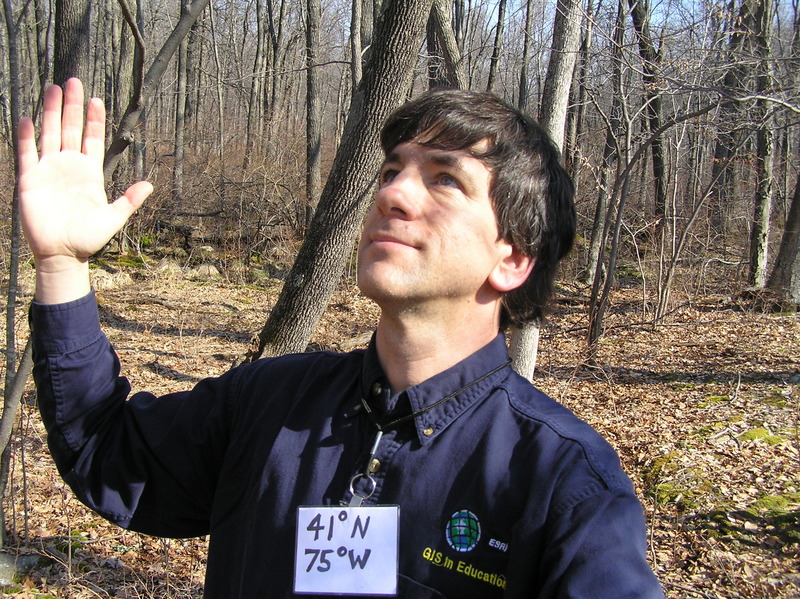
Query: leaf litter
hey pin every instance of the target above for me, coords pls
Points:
(703, 410)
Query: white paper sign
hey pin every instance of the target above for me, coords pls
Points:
(347, 550)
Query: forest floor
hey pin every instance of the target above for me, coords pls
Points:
(704, 411)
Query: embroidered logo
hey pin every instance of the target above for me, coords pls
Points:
(463, 531)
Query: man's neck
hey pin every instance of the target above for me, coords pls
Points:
(412, 350)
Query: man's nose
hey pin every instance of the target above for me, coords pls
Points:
(401, 196)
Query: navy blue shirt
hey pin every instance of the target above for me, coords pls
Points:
(233, 458)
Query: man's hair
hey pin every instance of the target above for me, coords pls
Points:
(531, 192)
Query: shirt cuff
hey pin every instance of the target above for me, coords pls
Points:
(63, 328)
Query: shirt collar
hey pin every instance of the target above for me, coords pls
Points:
(375, 388)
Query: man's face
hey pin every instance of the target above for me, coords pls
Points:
(431, 235)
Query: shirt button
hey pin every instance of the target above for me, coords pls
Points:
(377, 389)
(374, 466)
(428, 431)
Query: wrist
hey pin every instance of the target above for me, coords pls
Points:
(60, 280)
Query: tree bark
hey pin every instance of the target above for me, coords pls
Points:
(73, 33)
(759, 233)
(652, 84)
(527, 41)
(785, 278)
(564, 49)
(722, 170)
(448, 69)
(313, 112)
(497, 47)
(180, 120)
(14, 378)
(553, 118)
(356, 68)
(144, 87)
(573, 143)
(610, 155)
(344, 199)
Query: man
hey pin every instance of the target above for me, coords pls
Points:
(498, 490)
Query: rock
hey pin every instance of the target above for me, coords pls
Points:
(14, 568)
(102, 280)
(204, 272)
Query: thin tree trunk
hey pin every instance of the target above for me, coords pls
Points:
(497, 47)
(355, 44)
(145, 86)
(653, 111)
(13, 377)
(313, 112)
(448, 69)
(553, 118)
(759, 235)
(785, 278)
(256, 88)
(527, 42)
(610, 155)
(180, 121)
(577, 112)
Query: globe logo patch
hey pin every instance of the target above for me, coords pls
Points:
(463, 531)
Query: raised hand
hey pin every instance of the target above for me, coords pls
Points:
(64, 211)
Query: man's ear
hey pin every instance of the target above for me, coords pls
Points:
(511, 270)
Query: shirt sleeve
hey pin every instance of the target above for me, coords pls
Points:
(145, 463)
(597, 549)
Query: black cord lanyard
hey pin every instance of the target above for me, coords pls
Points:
(382, 428)
(356, 500)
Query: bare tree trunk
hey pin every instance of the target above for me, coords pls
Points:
(43, 31)
(254, 116)
(653, 111)
(575, 117)
(445, 68)
(139, 141)
(494, 61)
(553, 118)
(785, 278)
(355, 43)
(321, 259)
(527, 41)
(146, 85)
(610, 154)
(313, 113)
(759, 234)
(73, 32)
(14, 378)
(180, 119)
(723, 172)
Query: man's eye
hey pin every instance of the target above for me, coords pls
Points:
(448, 180)
(388, 175)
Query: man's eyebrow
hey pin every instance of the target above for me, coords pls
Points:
(445, 159)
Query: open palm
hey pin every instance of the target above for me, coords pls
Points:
(63, 207)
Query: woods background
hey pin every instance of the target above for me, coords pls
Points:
(678, 121)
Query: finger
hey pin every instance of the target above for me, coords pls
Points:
(72, 117)
(26, 146)
(94, 134)
(51, 120)
(130, 201)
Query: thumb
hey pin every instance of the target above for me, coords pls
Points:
(133, 197)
